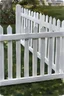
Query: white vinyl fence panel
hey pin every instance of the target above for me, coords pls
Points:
(40, 35)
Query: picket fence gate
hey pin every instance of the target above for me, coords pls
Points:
(41, 35)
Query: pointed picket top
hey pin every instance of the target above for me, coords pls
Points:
(37, 13)
(32, 13)
(40, 14)
(50, 20)
(47, 18)
(43, 17)
(22, 9)
(1, 29)
(18, 7)
(54, 21)
(62, 26)
(50, 24)
(9, 29)
(26, 11)
(27, 29)
(29, 12)
(58, 22)
(42, 30)
(35, 29)
(63, 23)
(58, 25)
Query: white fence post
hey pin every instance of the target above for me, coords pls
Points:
(18, 18)
(18, 46)
(1, 56)
(9, 31)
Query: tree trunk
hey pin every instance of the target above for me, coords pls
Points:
(6, 4)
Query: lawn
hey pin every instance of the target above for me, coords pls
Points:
(54, 11)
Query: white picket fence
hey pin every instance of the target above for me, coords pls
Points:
(29, 19)
(39, 34)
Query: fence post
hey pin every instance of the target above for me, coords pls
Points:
(9, 31)
(1, 56)
(18, 47)
(18, 18)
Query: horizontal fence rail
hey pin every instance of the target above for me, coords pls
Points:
(30, 36)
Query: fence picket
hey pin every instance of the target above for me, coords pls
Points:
(57, 58)
(34, 66)
(54, 24)
(26, 57)
(18, 59)
(1, 56)
(50, 46)
(9, 31)
(50, 55)
(24, 18)
(42, 60)
(62, 49)
(40, 27)
(46, 38)
(31, 29)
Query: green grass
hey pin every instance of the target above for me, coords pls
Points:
(43, 88)
(54, 11)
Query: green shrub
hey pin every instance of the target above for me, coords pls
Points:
(7, 17)
(31, 2)
(23, 2)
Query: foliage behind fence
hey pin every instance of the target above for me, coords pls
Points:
(7, 17)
